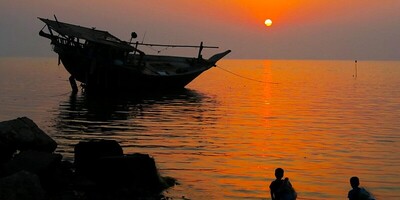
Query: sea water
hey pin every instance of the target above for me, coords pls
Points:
(224, 135)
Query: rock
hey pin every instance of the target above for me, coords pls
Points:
(168, 181)
(103, 162)
(23, 134)
(6, 152)
(132, 176)
(88, 152)
(138, 170)
(22, 185)
(36, 162)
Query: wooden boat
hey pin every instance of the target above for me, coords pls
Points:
(101, 61)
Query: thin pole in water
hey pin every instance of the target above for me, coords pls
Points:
(355, 68)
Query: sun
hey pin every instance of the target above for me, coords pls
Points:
(268, 22)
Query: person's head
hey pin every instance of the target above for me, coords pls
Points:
(354, 182)
(279, 173)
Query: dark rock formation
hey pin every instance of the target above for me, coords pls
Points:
(103, 162)
(22, 185)
(32, 161)
(30, 170)
(88, 152)
(137, 170)
(23, 134)
(6, 151)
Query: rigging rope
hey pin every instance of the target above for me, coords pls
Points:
(241, 76)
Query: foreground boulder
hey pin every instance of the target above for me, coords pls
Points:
(22, 185)
(135, 170)
(88, 152)
(40, 163)
(103, 162)
(6, 151)
(23, 134)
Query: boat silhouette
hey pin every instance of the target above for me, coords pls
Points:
(103, 62)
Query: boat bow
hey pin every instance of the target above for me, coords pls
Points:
(215, 58)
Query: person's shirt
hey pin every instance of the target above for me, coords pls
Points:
(353, 194)
(359, 194)
(275, 188)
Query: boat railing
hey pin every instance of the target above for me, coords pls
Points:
(200, 47)
(69, 42)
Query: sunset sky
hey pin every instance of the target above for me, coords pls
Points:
(302, 29)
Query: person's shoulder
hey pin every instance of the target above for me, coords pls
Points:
(274, 183)
(351, 194)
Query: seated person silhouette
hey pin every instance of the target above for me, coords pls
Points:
(281, 189)
(358, 193)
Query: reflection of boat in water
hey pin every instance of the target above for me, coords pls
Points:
(135, 120)
(101, 61)
(90, 111)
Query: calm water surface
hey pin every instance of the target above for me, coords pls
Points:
(224, 135)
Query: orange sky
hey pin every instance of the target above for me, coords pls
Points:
(302, 12)
(302, 29)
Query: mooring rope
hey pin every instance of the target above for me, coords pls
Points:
(241, 76)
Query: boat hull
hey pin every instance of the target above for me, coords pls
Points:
(99, 74)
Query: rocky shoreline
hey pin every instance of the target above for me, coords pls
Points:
(30, 168)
